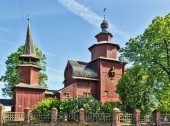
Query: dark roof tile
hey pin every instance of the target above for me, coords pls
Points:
(82, 69)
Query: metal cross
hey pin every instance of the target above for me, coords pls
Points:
(104, 12)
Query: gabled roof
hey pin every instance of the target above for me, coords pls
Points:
(109, 59)
(82, 69)
(64, 88)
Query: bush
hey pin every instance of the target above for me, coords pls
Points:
(109, 106)
(46, 105)
(88, 103)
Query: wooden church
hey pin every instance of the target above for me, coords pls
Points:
(98, 77)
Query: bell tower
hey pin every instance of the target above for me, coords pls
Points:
(29, 69)
(104, 59)
(28, 92)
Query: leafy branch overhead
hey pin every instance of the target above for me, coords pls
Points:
(150, 53)
(152, 47)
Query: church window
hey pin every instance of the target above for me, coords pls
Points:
(66, 95)
(86, 94)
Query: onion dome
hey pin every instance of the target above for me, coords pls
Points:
(104, 26)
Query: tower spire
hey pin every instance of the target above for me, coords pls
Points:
(29, 46)
(29, 56)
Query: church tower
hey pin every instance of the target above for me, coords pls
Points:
(29, 69)
(104, 47)
(110, 69)
(28, 92)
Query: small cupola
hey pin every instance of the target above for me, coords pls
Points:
(104, 35)
(104, 46)
(104, 26)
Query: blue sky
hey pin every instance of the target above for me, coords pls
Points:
(64, 29)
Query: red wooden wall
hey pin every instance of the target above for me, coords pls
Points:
(27, 98)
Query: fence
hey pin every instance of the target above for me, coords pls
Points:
(14, 116)
(98, 117)
(40, 117)
(116, 118)
(74, 117)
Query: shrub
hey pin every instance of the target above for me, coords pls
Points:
(109, 106)
(46, 105)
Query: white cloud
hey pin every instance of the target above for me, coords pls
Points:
(56, 70)
(53, 55)
(121, 33)
(55, 80)
(82, 11)
(89, 16)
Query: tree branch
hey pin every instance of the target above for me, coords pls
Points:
(162, 66)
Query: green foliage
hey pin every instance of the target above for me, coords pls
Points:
(88, 103)
(136, 91)
(152, 48)
(149, 78)
(46, 105)
(109, 106)
(11, 76)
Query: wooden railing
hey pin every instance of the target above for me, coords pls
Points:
(146, 119)
(67, 117)
(14, 116)
(116, 118)
(98, 117)
(40, 117)
(126, 118)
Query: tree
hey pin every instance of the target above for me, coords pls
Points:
(152, 48)
(150, 53)
(136, 91)
(11, 76)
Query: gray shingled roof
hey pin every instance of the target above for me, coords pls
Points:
(36, 86)
(104, 42)
(29, 49)
(29, 46)
(82, 69)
